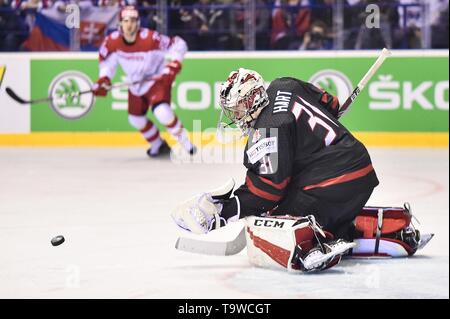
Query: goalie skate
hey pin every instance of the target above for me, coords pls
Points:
(323, 258)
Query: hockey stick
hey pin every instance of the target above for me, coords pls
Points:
(20, 100)
(384, 54)
(199, 246)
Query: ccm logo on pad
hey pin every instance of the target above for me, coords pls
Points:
(269, 223)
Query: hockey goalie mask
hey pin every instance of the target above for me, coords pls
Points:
(241, 96)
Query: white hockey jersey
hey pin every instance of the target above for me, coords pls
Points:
(146, 57)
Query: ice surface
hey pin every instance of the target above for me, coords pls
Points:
(112, 205)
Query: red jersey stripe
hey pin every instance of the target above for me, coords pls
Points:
(343, 178)
(279, 186)
(260, 193)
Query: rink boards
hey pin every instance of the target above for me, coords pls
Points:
(405, 103)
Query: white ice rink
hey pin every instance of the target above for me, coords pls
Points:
(113, 204)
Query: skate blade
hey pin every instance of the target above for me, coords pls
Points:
(424, 240)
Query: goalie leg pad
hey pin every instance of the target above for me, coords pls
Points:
(385, 232)
(285, 242)
(270, 241)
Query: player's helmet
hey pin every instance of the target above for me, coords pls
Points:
(128, 12)
(241, 96)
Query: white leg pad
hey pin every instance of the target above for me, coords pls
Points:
(271, 241)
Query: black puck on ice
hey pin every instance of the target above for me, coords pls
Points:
(58, 240)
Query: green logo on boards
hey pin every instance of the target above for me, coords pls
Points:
(334, 82)
(65, 89)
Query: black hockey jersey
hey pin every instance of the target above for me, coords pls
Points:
(297, 140)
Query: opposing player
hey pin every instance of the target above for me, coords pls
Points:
(142, 55)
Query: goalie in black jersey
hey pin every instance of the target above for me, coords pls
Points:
(301, 161)
(299, 158)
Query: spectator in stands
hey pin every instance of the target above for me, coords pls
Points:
(115, 3)
(182, 22)
(29, 8)
(31, 4)
(373, 38)
(12, 29)
(238, 19)
(317, 37)
(439, 27)
(149, 14)
(61, 5)
(411, 22)
(289, 24)
(208, 22)
(323, 11)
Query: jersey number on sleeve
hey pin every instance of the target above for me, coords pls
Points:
(266, 165)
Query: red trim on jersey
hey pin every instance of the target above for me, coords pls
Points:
(147, 127)
(279, 186)
(343, 178)
(260, 193)
(278, 254)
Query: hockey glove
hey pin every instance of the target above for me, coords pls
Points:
(201, 214)
(102, 86)
(170, 71)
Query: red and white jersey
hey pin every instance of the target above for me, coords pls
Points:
(146, 57)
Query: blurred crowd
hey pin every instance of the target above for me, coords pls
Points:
(276, 24)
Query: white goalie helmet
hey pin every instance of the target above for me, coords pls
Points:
(241, 96)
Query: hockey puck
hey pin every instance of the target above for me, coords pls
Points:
(58, 240)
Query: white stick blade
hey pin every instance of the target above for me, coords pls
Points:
(201, 246)
(217, 248)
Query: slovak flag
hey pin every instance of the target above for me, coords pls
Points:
(50, 32)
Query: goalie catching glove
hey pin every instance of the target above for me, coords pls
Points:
(201, 214)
